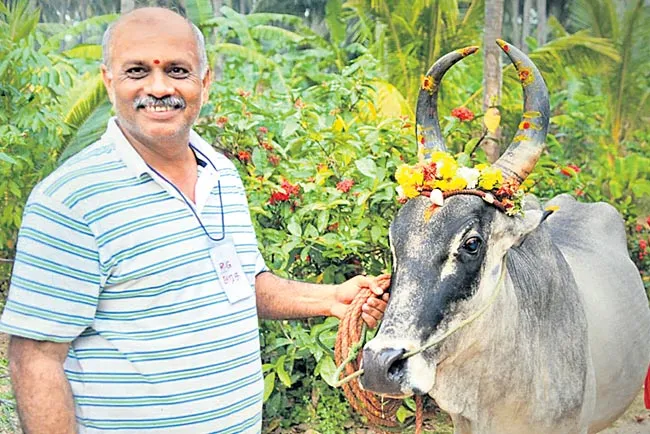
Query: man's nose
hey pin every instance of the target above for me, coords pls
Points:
(159, 84)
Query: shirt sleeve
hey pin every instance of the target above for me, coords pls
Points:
(56, 277)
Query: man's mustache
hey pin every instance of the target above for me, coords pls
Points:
(170, 102)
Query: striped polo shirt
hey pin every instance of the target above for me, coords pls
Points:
(111, 259)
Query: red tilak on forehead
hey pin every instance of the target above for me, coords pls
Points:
(156, 61)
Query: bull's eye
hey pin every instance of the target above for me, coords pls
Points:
(472, 244)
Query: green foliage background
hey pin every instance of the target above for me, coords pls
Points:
(321, 122)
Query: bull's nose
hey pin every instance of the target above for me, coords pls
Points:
(383, 370)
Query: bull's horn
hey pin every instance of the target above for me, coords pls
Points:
(527, 145)
(427, 126)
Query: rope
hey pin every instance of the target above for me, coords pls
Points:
(380, 412)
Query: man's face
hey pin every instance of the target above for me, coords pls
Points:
(154, 80)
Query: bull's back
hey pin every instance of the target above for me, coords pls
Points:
(592, 239)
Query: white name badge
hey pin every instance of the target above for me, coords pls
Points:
(231, 275)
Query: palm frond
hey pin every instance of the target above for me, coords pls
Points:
(199, 11)
(85, 51)
(88, 132)
(276, 34)
(83, 100)
(98, 23)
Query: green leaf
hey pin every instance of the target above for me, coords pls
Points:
(327, 369)
(282, 373)
(367, 167)
(7, 158)
(321, 220)
(294, 228)
(375, 234)
(290, 127)
(615, 189)
(269, 385)
(403, 413)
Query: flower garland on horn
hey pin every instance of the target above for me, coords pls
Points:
(442, 176)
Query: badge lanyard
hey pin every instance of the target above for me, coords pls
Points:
(223, 224)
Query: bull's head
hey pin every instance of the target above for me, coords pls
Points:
(448, 263)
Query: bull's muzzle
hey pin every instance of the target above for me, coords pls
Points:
(383, 370)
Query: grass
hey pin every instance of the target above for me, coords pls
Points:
(8, 418)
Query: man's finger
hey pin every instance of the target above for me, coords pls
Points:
(369, 320)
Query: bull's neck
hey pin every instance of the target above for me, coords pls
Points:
(533, 335)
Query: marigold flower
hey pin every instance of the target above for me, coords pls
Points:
(446, 164)
(490, 178)
(266, 145)
(409, 178)
(345, 185)
(274, 159)
(455, 183)
(462, 114)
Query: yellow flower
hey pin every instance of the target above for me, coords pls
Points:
(445, 164)
(409, 178)
(456, 183)
(490, 178)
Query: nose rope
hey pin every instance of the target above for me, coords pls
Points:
(350, 339)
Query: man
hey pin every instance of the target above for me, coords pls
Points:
(131, 306)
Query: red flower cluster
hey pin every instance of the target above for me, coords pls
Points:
(222, 121)
(244, 156)
(570, 170)
(643, 249)
(345, 185)
(299, 104)
(507, 190)
(274, 159)
(263, 130)
(462, 114)
(287, 190)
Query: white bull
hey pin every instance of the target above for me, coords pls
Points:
(562, 341)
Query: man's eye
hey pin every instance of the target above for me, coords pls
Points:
(136, 72)
(177, 71)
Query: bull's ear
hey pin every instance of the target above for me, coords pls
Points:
(510, 231)
(528, 223)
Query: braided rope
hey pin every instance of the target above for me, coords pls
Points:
(380, 412)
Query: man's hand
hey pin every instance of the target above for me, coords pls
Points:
(373, 309)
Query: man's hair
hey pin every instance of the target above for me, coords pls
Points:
(198, 36)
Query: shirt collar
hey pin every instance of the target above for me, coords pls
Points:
(134, 161)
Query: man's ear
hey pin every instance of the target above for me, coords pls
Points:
(207, 80)
(107, 78)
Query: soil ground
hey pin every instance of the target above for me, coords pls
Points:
(635, 421)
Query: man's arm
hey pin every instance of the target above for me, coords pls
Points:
(43, 394)
(279, 298)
